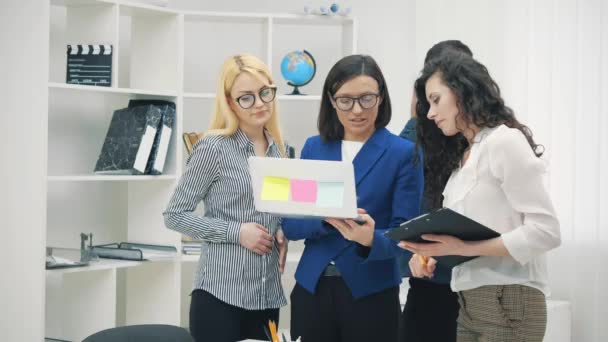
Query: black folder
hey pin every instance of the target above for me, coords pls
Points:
(129, 141)
(446, 222)
(158, 154)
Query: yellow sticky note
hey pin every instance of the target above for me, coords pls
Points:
(275, 189)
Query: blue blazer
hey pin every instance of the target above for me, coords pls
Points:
(389, 186)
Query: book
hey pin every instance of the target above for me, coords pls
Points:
(129, 141)
(89, 65)
(446, 222)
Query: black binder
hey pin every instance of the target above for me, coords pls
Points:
(129, 141)
(160, 147)
(447, 222)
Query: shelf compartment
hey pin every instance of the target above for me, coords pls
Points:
(80, 22)
(149, 47)
(246, 34)
(80, 304)
(78, 124)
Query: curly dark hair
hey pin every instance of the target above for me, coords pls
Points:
(479, 103)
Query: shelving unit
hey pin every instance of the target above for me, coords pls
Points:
(158, 53)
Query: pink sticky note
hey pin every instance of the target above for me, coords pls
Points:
(303, 190)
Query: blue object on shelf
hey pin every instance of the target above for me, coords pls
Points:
(298, 68)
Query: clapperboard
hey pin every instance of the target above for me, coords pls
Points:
(89, 65)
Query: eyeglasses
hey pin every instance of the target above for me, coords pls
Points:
(248, 100)
(366, 101)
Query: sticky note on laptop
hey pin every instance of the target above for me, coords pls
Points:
(330, 194)
(275, 189)
(303, 190)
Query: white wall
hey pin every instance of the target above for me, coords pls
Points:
(386, 32)
(23, 95)
(550, 58)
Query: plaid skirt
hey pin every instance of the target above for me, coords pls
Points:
(496, 313)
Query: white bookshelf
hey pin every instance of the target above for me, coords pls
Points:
(158, 53)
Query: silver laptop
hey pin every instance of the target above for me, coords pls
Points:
(303, 188)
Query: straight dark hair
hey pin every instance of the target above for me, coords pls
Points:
(345, 70)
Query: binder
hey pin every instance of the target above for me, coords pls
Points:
(135, 251)
(129, 141)
(158, 155)
(446, 222)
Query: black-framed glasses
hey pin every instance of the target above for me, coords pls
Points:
(265, 94)
(366, 101)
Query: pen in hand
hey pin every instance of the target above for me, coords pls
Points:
(424, 260)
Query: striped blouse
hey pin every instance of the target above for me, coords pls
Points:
(217, 173)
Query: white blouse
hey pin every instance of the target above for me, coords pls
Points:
(350, 149)
(501, 185)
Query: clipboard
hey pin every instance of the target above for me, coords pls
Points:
(447, 222)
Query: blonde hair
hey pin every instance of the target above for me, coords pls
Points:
(224, 120)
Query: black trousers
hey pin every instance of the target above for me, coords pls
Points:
(212, 320)
(333, 315)
(430, 313)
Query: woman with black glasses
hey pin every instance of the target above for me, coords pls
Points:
(237, 286)
(348, 282)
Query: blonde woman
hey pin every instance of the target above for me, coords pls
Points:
(237, 286)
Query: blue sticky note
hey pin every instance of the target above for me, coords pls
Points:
(330, 194)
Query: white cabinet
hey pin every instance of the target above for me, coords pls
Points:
(158, 53)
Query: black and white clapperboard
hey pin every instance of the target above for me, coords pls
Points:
(89, 65)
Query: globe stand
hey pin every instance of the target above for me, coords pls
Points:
(296, 89)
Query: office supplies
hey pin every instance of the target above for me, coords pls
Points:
(89, 65)
(267, 333)
(273, 331)
(129, 141)
(191, 247)
(65, 260)
(303, 188)
(443, 221)
(424, 260)
(135, 251)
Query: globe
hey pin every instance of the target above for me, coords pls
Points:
(298, 68)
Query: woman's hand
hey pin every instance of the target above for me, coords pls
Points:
(442, 245)
(419, 268)
(361, 233)
(255, 238)
(283, 246)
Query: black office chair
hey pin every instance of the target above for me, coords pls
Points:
(142, 333)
